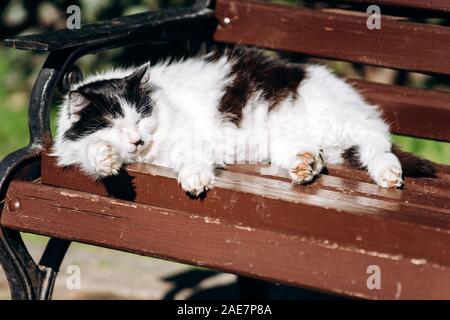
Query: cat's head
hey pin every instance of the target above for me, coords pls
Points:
(118, 110)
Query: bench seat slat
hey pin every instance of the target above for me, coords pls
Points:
(342, 179)
(438, 187)
(227, 245)
(402, 45)
(336, 215)
(342, 189)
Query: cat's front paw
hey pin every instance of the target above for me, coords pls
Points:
(105, 158)
(196, 180)
(306, 167)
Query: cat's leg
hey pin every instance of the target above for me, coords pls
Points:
(193, 161)
(372, 139)
(196, 179)
(101, 159)
(306, 167)
(300, 155)
(382, 165)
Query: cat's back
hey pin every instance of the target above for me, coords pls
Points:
(194, 73)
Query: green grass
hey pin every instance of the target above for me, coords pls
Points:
(13, 120)
(13, 130)
(432, 150)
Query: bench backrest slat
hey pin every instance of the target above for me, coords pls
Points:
(410, 111)
(345, 36)
(341, 36)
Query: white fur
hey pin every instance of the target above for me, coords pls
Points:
(187, 133)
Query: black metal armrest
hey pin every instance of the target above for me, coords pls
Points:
(143, 27)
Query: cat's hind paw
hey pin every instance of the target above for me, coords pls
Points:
(390, 177)
(196, 180)
(306, 167)
(386, 171)
(105, 158)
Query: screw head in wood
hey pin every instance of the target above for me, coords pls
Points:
(13, 205)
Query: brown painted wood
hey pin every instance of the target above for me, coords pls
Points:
(323, 235)
(224, 243)
(333, 209)
(410, 111)
(357, 182)
(402, 45)
(433, 5)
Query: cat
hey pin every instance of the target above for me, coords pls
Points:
(189, 115)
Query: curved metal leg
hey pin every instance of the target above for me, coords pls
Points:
(19, 267)
(27, 280)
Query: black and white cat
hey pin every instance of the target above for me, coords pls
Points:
(196, 114)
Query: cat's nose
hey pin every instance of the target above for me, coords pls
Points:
(134, 137)
(140, 142)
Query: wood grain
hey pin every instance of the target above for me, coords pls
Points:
(223, 244)
(322, 236)
(402, 45)
(346, 211)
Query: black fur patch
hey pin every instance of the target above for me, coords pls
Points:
(351, 155)
(102, 104)
(254, 72)
(413, 165)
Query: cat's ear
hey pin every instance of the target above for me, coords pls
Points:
(141, 75)
(77, 101)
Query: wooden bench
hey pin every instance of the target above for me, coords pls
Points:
(325, 236)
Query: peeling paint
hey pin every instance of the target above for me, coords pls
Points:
(418, 262)
(68, 194)
(124, 204)
(244, 228)
(334, 245)
(211, 220)
(398, 290)
(230, 241)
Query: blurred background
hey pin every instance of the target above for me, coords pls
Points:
(106, 273)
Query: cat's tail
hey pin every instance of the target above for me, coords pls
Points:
(413, 165)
